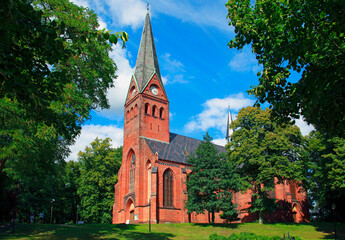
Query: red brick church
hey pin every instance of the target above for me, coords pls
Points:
(151, 180)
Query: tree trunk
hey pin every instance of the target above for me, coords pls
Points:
(260, 196)
(2, 165)
(260, 218)
(212, 217)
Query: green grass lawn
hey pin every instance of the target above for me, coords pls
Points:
(169, 231)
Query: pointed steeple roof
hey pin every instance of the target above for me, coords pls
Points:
(147, 61)
(229, 130)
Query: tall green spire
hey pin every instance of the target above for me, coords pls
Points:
(147, 61)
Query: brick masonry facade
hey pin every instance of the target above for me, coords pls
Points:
(139, 190)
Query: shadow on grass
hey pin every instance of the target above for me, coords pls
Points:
(87, 231)
(224, 225)
(329, 228)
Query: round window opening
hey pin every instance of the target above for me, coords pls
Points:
(154, 89)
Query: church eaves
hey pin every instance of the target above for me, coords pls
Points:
(147, 61)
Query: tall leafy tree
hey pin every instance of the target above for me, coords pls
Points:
(211, 182)
(264, 152)
(301, 36)
(71, 200)
(54, 69)
(324, 166)
(99, 164)
(33, 187)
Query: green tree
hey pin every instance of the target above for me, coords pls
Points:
(324, 166)
(99, 165)
(70, 197)
(211, 182)
(54, 69)
(264, 152)
(301, 36)
(34, 186)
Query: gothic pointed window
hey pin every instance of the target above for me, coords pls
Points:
(149, 169)
(167, 188)
(132, 173)
(293, 190)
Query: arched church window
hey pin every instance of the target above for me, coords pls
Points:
(161, 113)
(131, 171)
(154, 111)
(149, 168)
(131, 113)
(135, 110)
(168, 188)
(293, 189)
(147, 108)
(127, 116)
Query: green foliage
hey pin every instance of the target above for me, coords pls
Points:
(246, 236)
(324, 165)
(262, 153)
(307, 37)
(99, 164)
(211, 181)
(55, 68)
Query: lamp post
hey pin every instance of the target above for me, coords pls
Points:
(76, 221)
(150, 216)
(335, 222)
(51, 210)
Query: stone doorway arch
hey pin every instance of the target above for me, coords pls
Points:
(129, 209)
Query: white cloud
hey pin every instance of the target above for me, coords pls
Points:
(244, 61)
(220, 141)
(171, 65)
(127, 13)
(214, 114)
(199, 12)
(90, 132)
(132, 12)
(117, 95)
(123, 13)
(305, 127)
(83, 3)
(102, 24)
(174, 69)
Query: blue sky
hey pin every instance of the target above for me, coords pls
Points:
(202, 75)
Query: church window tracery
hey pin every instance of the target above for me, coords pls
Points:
(132, 172)
(168, 188)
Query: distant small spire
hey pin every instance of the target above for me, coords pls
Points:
(229, 130)
(148, 6)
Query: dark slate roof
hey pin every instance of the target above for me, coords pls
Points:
(177, 148)
(147, 61)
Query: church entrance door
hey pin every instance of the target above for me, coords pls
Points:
(132, 217)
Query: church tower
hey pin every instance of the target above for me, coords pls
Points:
(146, 117)
(147, 103)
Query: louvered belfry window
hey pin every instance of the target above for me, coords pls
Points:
(167, 189)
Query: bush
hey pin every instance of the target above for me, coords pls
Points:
(246, 236)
